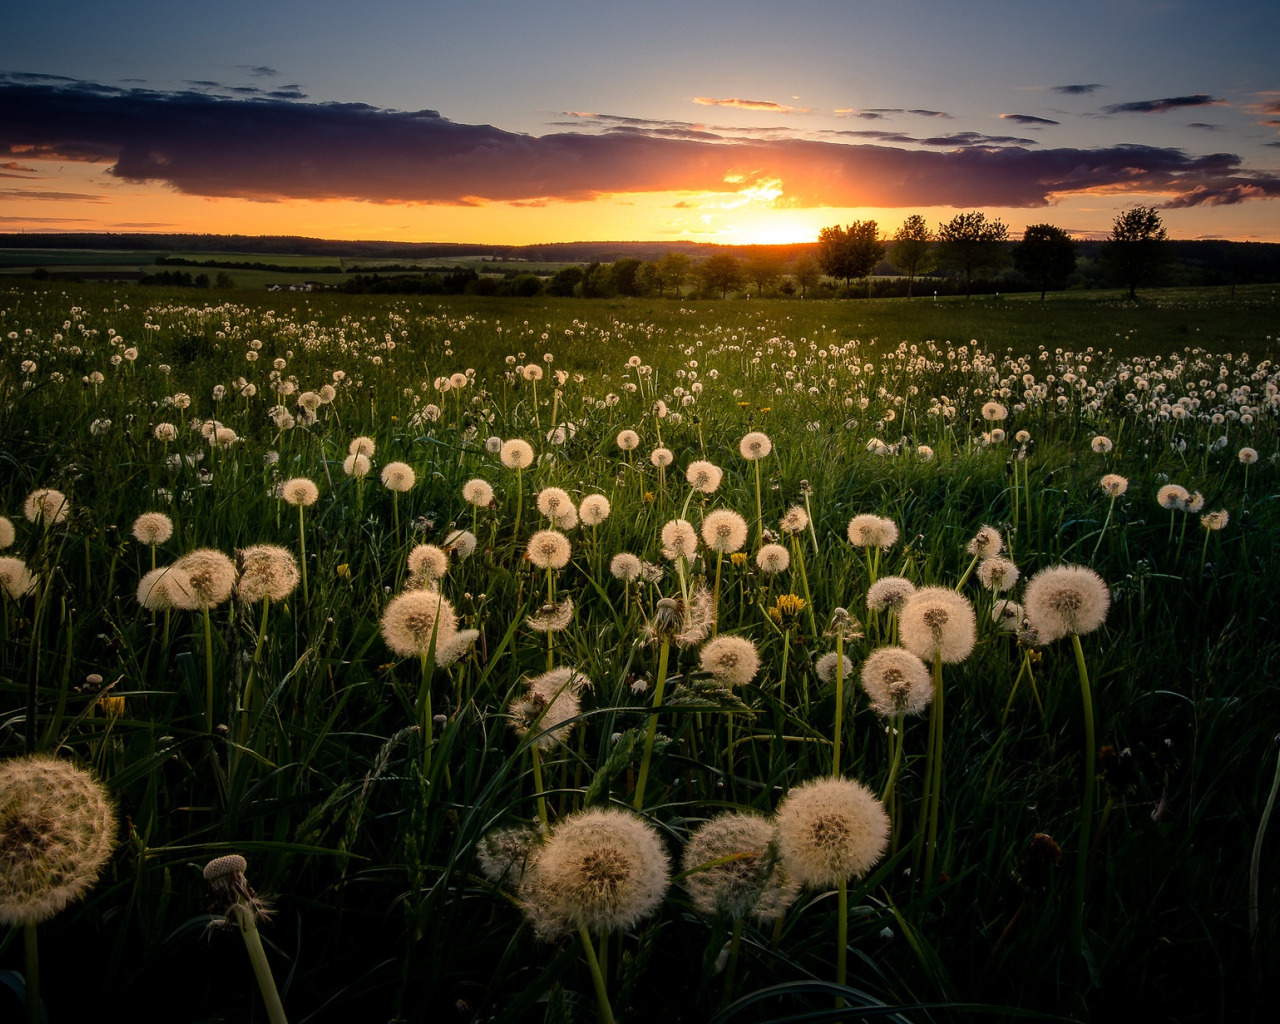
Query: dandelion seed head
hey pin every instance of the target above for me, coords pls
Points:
(46, 506)
(428, 563)
(398, 477)
(548, 707)
(1173, 496)
(937, 620)
(831, 830)
(412, 618)
(724, 531)
(773, 558)
(731, 660)
(827, 664)
(1113, 485)
(299, 491)
(628, 440)
(516, 453)
(602, 869)
(357, 466)
(1066, 599)
(704, 476)
(897, 682)
(997, 573)
(268, 572)
(754, 446)
(679, 539)
(1248, 456)
(151, 528)
(625, 566)
(1215, 520)
(16, 579)
(504, 854)
(594, 509)
(794, 520)
(552, 501)
(1008, 615)
(361, 446)
(460, 543)
(994, 412)
(889, 592)
(477, 492)
(203, 579)
(8, 533)
(57, 830)
(986, 543)
(552, 618)
(731, 866)
(661, 457)
(549, 549)
(871, 531)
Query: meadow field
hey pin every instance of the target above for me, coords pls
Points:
(562, 660)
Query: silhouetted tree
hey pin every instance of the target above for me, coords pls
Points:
(763, 270)
(626, 274)
(969, 243)
(806, 272)
(649, 279)
(720, 273)
(1046, 256)
(565, 281)
(852, 252)
(674, 269)
(1138, 251)
(911, 251)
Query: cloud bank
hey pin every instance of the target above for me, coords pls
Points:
(265, 148)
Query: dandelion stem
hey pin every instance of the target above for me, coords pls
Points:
(302, 553)
(597, 976)
(1086, 807)
(842, 935)
(208, 672)
(261, 968)
(1105, 524)
(538, 789)
(735, 941)
(652, 732)
(839, 724)
(935, 798)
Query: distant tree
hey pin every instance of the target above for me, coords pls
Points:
(1046, 257)
(763, 268)
(224, 280)
(806, 272)
(971, 244)
(721, 272)
(202, 281)
(911, 250)
(1138, 251)
(852, 252)
(649, 279)
(626, 276)
(565, 281)
(525, 286)
(674, 269)
(598, 282)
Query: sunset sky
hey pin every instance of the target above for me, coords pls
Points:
(731, 121)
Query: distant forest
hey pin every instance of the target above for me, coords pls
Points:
(661, 269)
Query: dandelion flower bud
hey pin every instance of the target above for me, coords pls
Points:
(997, 574)
(897, 682)
(357, 465)
(57, 829)
(732, 866)
(679, 539)
(889, 592)
(268, 572)
(477, 492)
(625, 566)
(594, 510)
(704, 476)
(754, 446)
(550, 706)
(203, 579)
(1113, 485)
(773, 558)
(415, 619)
(724, 531)
(152, 528)
(516, 454)
(602, 869)
(45, 505)
(731, 660)
(870, 531)
(831, 830)
(936, 620)
(16, 579)
(299, 491)
(549, 549)
(398, 477)
(986, 543)
(1066, 599)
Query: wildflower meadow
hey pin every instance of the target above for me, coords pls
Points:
(416, 660)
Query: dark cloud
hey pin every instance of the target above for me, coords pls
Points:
(1076, 90)
(1028, 119)
(1203, 126)
(23, 193)
(267, 149)
(258, 70)
(13, 169)
(1160, 106)
(931, 113)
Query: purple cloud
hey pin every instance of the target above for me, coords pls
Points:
(1160, 106)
